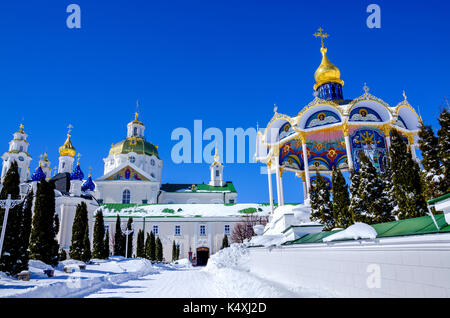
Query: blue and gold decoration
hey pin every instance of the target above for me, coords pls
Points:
(370, 141)
(38, 174)
(322, 118)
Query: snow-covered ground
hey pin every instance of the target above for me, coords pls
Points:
(226, 275)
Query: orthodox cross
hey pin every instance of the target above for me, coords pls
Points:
(404, 95)
(6, 204)
(321, 35)
(70, 127)
(78, 158)
(366, 88)
(90, 170)
(275, 108)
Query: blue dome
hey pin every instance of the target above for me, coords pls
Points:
(38, 174)
(88, 185)
(77, 174)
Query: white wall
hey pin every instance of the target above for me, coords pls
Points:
(417, 266)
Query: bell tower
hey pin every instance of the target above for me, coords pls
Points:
(18, 151)
(216, 169)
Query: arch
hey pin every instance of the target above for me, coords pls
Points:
(193, 201)
(408, 116)
(272, 131)
(217, 201)
(330, 115)
(380, 111)
(126, 196)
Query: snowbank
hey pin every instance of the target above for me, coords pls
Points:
(235, 256)
(267, 240)
(114, 271)
(355, 232)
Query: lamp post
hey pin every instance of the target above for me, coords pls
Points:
(6, 204)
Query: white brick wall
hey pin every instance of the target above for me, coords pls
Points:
(414, 266)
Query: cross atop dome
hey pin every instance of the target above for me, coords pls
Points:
(321, 35)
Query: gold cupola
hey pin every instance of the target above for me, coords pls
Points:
(67, 149)
(326, 72)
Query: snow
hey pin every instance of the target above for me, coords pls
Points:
(267, 240)
(355, 232)
(188, 210)
(78, 284)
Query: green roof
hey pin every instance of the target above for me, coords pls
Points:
(439, 199)
(174, 187)
(414, 226)
(137, 145)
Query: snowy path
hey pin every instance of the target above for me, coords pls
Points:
(197, 283)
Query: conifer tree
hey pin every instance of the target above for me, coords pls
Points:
(159, 250)
(432, 174)
(119, 239)
(106, 251)
(225, 243)
(78, 245)
(321, 207)
(444, 148)
(130, 238)
(86, 256)
(140, 245)
(45, 225)
(152, 247)
(14, 256)
(357, 205)
(174, 251)
(388, 188)
(147, 246)
(99, 236)
(341, 200)
(178, 251)
(62, 256)
(371, 191)
(406, 179)
(25, 230)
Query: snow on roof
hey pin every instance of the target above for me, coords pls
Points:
(184, 210)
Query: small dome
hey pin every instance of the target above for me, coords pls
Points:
(77, 174)
(67, 149)
(134, 144)
(38, 174)
(88, 185)
(327, 72)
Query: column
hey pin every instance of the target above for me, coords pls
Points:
(277, 177)
(387, 136)
(412, 147)
(305, 190)
(347, 146)
(305, 163)
(281, 186)
(269, 179)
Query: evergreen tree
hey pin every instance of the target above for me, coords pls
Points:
(357, 205)
(25, 230)
(406, 179)
(178, 251)
(432, 174)
(225, 243)
(341, 200)
(140, 245)
(152, 247)
(99, 236)
(371, 191)
(86, 256)
(45, 225)
(147, 247)
(106, 251)
(14, 256)
(388, 189)
(78, 245)
(130, 237)
(119, 239)
(159, 250)
(174, 251)
(62, 255)
(321, 207)
(444, 146)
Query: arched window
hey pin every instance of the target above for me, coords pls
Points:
(126, 196)
(135, 131)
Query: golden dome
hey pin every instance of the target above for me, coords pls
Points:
(67, 149)
(327, 72)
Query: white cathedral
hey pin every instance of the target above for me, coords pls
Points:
(132, 177)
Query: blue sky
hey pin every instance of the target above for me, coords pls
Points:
(224, 62)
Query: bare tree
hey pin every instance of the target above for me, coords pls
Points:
(244, 230)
